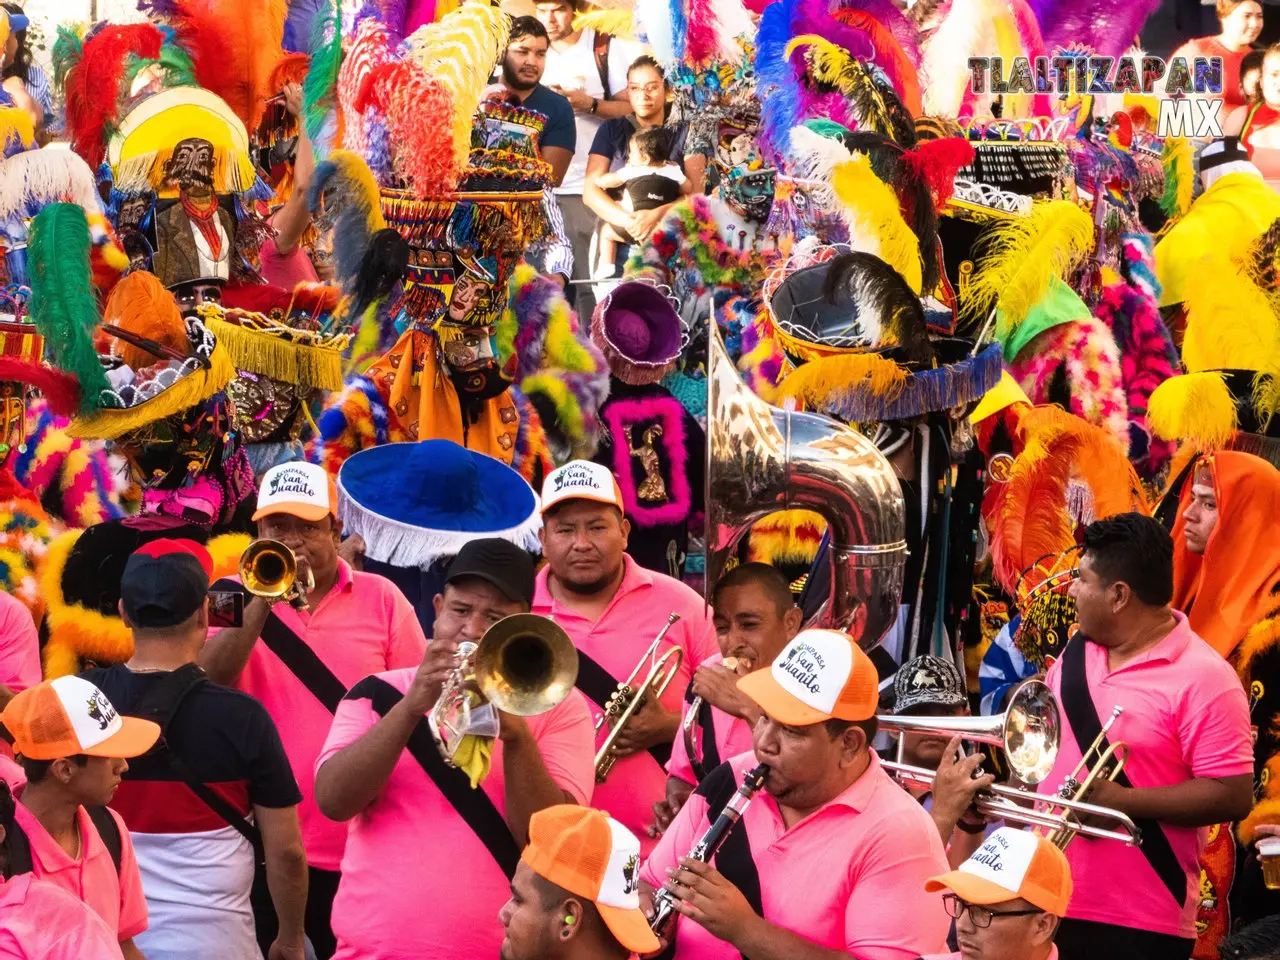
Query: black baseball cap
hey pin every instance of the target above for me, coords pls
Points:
(165, 582)
(499, 562)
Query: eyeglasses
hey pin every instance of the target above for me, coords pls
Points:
(655, 87)
(981, 917)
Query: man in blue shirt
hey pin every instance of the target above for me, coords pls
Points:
(522, 68)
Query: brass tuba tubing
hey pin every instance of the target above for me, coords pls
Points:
(762, 459)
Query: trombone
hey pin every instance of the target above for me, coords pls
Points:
(269, 569)
(1030, 733)
(692, 741)
(627, 699)
(523, 665)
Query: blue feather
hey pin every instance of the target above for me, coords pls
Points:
(776, 84)
(297, 26)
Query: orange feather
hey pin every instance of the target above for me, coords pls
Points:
(887, 46)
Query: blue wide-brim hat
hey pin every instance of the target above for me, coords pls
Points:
(414, 503)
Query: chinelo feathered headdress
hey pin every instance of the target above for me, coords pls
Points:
(1230, 350)
(237, 50)
(458, 51)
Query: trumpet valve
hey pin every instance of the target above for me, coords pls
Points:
(605, 765)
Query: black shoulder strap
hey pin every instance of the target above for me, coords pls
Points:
(302, 661)
(160, 705)
(733, 860)
(599, 684)
(1082, 718)
(17, 848)
(707, 737)
(600, 50)
(474, 806)
(109, 831)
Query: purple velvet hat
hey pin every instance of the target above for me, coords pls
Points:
(638, 330)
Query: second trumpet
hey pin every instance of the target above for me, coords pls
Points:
(630, 696)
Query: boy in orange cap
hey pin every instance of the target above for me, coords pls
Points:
(74, 747)
(1007, 899)
(832, 852)
(575, 893)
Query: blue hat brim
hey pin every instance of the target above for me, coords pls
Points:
(414, 503)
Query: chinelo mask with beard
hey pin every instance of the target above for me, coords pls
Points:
(191, 166)
(471, 358)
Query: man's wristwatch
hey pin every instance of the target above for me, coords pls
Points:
(595, 105)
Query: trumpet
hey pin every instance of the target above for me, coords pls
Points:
(1107, 765)
(627, 699)
(1030, 733)
(664, 902)
(269, 569)
(692, 744)
(523, 665)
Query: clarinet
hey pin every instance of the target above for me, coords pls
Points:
(664, 900)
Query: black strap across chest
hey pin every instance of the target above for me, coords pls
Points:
(733, 859)
(474, 806)
(303, 662)
(17, 848)
(599, 684)
(1082, 717)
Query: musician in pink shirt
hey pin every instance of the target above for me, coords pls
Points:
(834, 853)
(428, 851)
(612, 608)
(755, 616)
(1007, 899)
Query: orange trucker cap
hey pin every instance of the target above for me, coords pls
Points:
(70, 716)
(1012, 864)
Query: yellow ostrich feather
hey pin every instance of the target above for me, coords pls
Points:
(1230, 323)
(875, 219)
(1196, 407)
(616, 23)
(459, 50)
(815, 382)
(1021, 255)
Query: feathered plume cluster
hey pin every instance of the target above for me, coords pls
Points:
(875, 219)
(458, 52)
(319, 87)
(62, 303)
(1017, 259)
(343, 187)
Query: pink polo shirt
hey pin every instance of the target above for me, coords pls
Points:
(733, 736)
(849, 877)
(1185, 716)
(19, 645)
(41, 921)
(364, 625)
(416, 880)
(617, 641)
(92, 879)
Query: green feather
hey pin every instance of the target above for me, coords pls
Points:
(322, 75)
(66, 53)
(62, 301)
(175, 63)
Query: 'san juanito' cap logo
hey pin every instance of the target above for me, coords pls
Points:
(301, 489)
(580, 480)
(820, 675)
(1012, 864)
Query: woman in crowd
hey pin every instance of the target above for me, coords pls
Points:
(1241, 22)
(1258, 124)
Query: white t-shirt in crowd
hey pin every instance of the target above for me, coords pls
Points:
(575, 69)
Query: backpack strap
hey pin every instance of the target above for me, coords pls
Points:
(600, 50)
(733, 859)
(109, 830)
(599, 685)
(160, 705)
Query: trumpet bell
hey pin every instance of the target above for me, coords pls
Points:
(1029, 731)
(525, 665)
(268, 569)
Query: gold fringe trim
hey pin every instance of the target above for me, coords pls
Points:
(277, 358)
(194, 388)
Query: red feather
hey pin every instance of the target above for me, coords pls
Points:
(60, 390)
(93, 84)
(936, 162)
